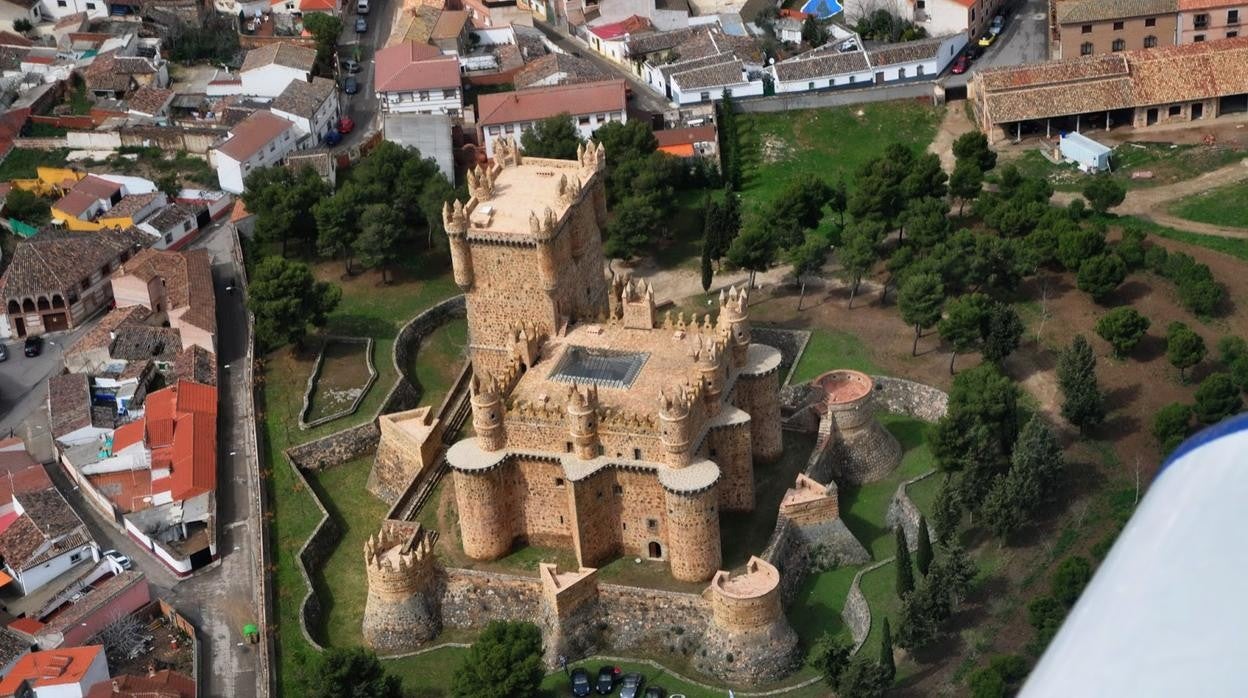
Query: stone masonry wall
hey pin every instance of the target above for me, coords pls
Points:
(405, 395)
(901, 396)
(471, 599)
(902, 511)
(652, 619)
(336, 448)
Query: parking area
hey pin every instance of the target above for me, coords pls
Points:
(22, 377)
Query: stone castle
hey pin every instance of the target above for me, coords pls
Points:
(605, 430)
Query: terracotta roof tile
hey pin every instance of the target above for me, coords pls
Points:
(69, 396)
(256, 131)
(304, 98)
(280, 53)
(56, 261)
(729, 73)
(614, 31)
(905, 52)
(100, 336)
(197, 364)
(149, 100)
(47, 527)
(1081, 11)
(823, 65)
(449, 25)
(160, 684)
(59, 667)
(100, 596)
(412, 66)
(538, 103)
(573, 70)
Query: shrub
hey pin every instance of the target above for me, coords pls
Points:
(1171, 425)
(1122, 328)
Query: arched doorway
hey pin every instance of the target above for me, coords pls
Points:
(655, 551)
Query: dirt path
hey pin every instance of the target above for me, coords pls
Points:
(953, 124)
(1152, 202)
(678, 284)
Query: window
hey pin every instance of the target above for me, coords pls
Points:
(1201, 21)
(90, 6)
(1198, 38)
(901, 73)
(636, 454)
(424, 95)
(272, 147)
(1150, 21)
(493, 130)
(1119, 45)
(705, 97)
(852, 78)
(568, 446)
(1117, 26)
(602, 118)
(1232, 16)
(972, 14)
(1085, 29)
(61, 3)
(921, 4)
(582, 120)
(168, 238)
(1176, 110)
(652, 524)
(618, 490)
(919, 69)
(810, 85)
(186, 226)
(448, 94)
(1232, 35)
(1150, 42)
(1086, 49)
(558, 482)
(507, 129)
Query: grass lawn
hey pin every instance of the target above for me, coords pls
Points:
(339, 582)
(1226, 206)
(344, 373)
(879, 587)
(1234, 247)
(826, 143)
(924, 492)
(20, 163)
(427, 675)
(829, 349)
(1167, 162)
(682, 248)
(439, 361)
(746, 533)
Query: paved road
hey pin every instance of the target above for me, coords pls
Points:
(1024, 40)
(362, 107)
(22, 379)
(644, 97)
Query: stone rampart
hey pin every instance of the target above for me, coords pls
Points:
(314, 379)
(902, 511)
(472, 598)
(652, 619)
(336, 448)
(406, 393)
(901, 396)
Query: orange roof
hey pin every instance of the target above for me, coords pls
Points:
(1187, 5)
(159, 417)
(128, 489)
(128, 435)
(684, 150)
(536, 103)
(318, 5)
(196, 397)
(253, 133)
(30, 626)
(51, 668)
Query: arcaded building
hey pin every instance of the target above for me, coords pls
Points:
(600, 427)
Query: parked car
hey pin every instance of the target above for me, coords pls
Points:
(333, 137)
(346, 125)
(656, 692)
(4, 353)
(580, 683)
(630, 685)
(960, 64)
(361, 25)
(350, 85)
(607, 677)
(987, 39)
(350, 66)
(998, 24)
(122, 560)
(973, 52)
(33, 346)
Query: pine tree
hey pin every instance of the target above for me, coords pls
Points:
(923, 554)
(1083, 404)
(887, 664)
(905, 573)
(948, 511)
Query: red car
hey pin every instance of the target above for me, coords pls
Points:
(346, 125)
(960, 64)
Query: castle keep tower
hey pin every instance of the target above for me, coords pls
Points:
(749, 639)
(526, 248)
(401, 571)
(864, 451)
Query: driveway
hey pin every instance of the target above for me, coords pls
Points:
(362, 107)
(22, 379)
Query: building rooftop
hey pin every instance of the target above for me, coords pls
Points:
(572, 69)
(413, 66)
(149, 99)
(304, 98)
(822, 65)
(719, 74)
(450, 24)
(1084, 11)
(521, 192)
(47, 527)
(195, 364)
(905, 52)
(136, 342)
(614, 31)
(48, 668)
(69, 404)
(158, 684)
(58, 260)
(101, 335)
(280, 53)
(253, 133)
(99, 595)
(187, 276)
(130, 205)
(537, 103)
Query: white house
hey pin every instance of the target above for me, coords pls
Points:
(828, 67)
(173, 227)
(267, 70)
(41, 537)
(816, 70)
(710, 82)
(70, 412)
(260, 140)
(65, 672)
(13, 10)
(590, 105)
(311, 106)
(416, 78)
(57, 9)
(789, 30)
(925, 58)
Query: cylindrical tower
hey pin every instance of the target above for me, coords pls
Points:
(847, 398)
(693, 533)
(711, 368)
(399, 613)
(543, 231)
(487, 414)
(748, 640)
(749, 600)
(455, 221)
(482, 500)
(758, 393)
(734, 322)
(864, 451)
(675, 428)
(582, 421)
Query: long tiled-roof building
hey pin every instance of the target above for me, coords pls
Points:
(1135, 88)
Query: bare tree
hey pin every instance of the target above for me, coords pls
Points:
(123, 633)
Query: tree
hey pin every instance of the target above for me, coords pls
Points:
(285, 298)
(381, 228)
(22, 25)
(1035, 470)
(947, 512)
(348, 671)
(337, 224)
(860, 251)
(862, 678)
(1217, 398)
(887, 663)
(972, 146)
(1045, 614)
(1231, 348)
(752, 250)
(1099, 276)
(1122, 328)
(920, 300)
(283, 201)
(987, 683)
(1083, 403)
(963, 324)
(829, 656)
(1171, 425)
(625, 141)
(1075, 245)
(966, 183)
(1239, 372)
(923, 554)
(926, 179)
(1184, 348)
(838, 194)
(1103, 192)
(1003, 330)
(708, 270)
(636, 224)
(505, 661)
(437, 191)
(1070, 579)
(905, 571)
(813, 33)
(927, 222)
(28, 208)
(553, 137)
(325, 30)
(808, 258)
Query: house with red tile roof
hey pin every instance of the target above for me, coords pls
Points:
(590, 105)
(61, 673)
(416, 78)
(174, 286)
(261, 140)
(160, 474)
(154, 684)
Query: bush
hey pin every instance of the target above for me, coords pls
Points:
(1122, 328)
(1171, 425)
(1099, 276)
(1070, 579)
(505, 661)
(1104, 192)
(1217, 398)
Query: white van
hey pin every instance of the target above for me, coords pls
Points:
(361, 7)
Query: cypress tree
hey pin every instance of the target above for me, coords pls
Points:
(905, 573)
(923, 554)
(707, 271)
(1083, 404)
(887, 666)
